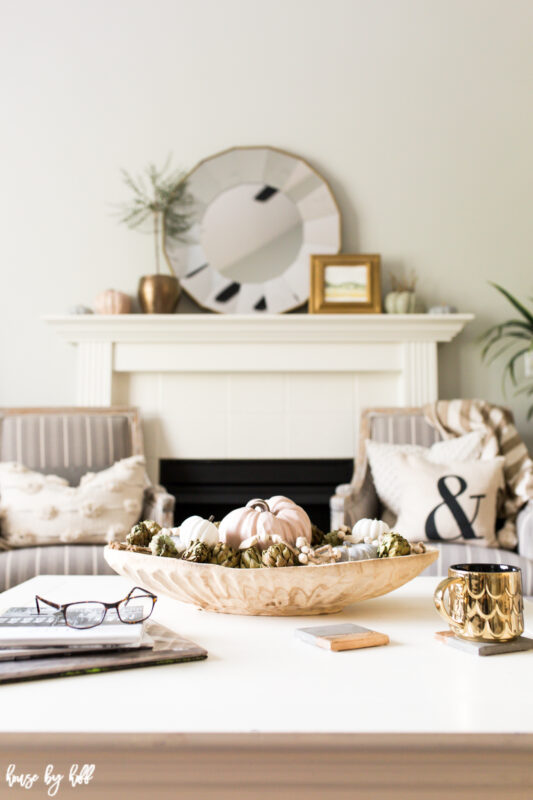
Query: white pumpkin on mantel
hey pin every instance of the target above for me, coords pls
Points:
(266, 520)
(366, 530)
(197, 528)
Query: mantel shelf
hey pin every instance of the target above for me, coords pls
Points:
(275, 328)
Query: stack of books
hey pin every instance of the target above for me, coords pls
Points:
(41, 645)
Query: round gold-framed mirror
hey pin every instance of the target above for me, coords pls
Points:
(258, 214)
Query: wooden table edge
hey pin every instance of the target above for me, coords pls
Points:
(403, 766)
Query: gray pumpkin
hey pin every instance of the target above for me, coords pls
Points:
(358, 552)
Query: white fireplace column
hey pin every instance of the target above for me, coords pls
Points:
(420, 375)
(94, 373)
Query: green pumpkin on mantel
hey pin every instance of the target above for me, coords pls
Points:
(400, 302)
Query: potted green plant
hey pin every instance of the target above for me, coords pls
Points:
(514, 338)
(160, 206)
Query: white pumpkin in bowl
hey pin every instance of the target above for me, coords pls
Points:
(266, 520)
(366, 530)
(197, 528)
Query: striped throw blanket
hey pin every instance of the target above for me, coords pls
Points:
(500, 438)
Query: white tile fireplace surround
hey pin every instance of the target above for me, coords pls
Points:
(280, 386)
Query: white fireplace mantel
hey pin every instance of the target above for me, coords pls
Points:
(278, 343)
(286, 328)
(288, 385)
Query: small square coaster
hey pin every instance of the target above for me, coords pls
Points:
(518, 645)
(344, 636)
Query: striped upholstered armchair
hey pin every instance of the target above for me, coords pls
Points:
(70, 442)
(359, 499)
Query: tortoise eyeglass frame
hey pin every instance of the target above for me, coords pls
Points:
(62, 608)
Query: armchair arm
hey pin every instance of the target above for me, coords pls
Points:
(524, 530)
(349, 504)
(159, 506)
(341, 506)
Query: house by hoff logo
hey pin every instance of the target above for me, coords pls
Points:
(77, 776)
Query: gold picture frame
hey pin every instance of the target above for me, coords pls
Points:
(358, 291)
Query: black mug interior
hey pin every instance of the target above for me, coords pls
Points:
(490, 568)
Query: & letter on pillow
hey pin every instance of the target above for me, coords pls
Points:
(454, 502)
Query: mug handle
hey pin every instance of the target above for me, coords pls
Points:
(438, 598)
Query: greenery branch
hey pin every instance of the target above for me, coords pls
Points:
(404, 284)
(515, 339)
(161, 205)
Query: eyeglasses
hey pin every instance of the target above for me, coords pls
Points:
(135, 607)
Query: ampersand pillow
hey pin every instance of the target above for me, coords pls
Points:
(386, 477)
(455, 502)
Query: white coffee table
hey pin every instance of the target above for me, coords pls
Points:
(259, 679)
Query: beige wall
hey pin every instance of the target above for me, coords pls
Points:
(419, 113)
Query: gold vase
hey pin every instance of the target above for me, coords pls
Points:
(159, 294)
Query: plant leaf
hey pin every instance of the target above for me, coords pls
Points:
(499, 352)
(510, 366)
(516, 303)
(512, 323)
(527, 390)
(497, 337)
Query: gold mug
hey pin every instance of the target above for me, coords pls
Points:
(485, 602)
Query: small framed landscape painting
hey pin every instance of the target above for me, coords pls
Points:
(345, 284)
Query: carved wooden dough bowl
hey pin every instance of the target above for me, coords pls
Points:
(287, 591)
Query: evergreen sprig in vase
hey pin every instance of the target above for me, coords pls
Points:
(160, 206)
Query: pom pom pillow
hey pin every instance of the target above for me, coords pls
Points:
(387, 481)
(455, 502)
(38, 509)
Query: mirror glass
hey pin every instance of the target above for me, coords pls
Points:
(266, 241)
(259, 213)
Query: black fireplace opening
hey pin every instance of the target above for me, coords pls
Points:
(216, 487)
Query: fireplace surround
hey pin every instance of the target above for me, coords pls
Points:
(215, 487)
(221, 387)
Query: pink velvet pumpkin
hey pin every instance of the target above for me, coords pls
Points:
(264, 519)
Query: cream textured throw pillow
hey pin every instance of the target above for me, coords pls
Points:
(455, 502)
(384, 469)
(40, 509)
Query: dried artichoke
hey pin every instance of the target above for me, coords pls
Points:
(251, 558)
(153, 526)
(393, 544)
(278, 555)
(196, 551)
(163, 545)
(224, 555)
(334, 538)
(141, 534)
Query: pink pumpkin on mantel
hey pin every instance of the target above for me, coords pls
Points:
(264, 519)
(111, 301)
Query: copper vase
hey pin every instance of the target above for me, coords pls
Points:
(159, 294)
